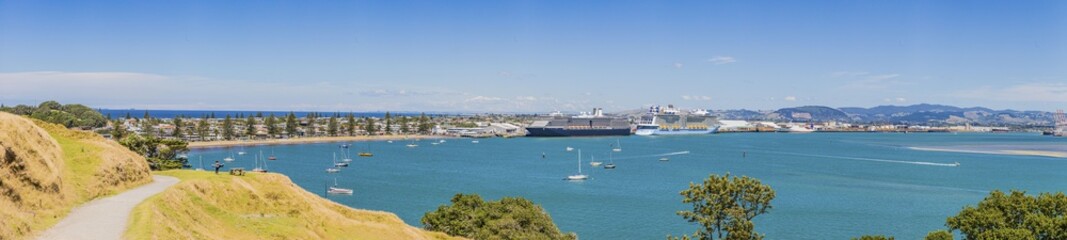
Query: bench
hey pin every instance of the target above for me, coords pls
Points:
(237, 171)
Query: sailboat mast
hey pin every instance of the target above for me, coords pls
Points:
(579, 161)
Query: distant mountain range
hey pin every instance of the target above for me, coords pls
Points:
(925, 114)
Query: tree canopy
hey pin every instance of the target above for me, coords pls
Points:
(70, 115)
(510, 218)
(1013, 215)
(724, 206)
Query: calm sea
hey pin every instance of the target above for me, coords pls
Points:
(829, 186)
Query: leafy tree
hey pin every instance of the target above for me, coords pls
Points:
(331, 126)
(50, 105)
(259, 114)
(161, 153)
(146, 125)
(724, 206)
(271, 123)
(939, 235)
(250, 126)
(1013, 216)
(510, 218)
(227, 128)
(128, 115)
(290, 124)
(351, 125)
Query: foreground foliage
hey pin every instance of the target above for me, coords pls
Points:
(1013, 216)
(70, 115)
(724, 207)
(509, 218)
(161, 154)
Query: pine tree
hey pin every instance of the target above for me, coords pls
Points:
(118, 131)
(351, 125)
(369, 126)
(388, 129)
(202, 128)
(128, 115)
(311, 124)
(250, 127)
(227, 128)
(403, 125)
(290, 124)
(272, 130)
(331, 127)
(424, 124)
(178, 127)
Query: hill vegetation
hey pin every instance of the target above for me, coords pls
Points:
(257, 206)
(508, 218)
(46, 169)
(70, 115)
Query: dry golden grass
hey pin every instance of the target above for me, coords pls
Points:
(257, 206)
(45, 170)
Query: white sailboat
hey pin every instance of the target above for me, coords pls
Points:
(474, 141)
(611, 162)
(201, 168)
(338, 190)
(412, 144)
(593, 162)
(579, 176)
(229, 159)
(618, 146)
(338, 164)
(242, 152)
(345, 157)
(260, 169)
(570, 149)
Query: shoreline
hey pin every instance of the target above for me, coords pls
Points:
(290, 141)
(1016, 152)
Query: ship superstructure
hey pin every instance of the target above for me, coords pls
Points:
(672, 121)
(593, 123)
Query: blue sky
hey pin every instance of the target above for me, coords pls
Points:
(528, 56)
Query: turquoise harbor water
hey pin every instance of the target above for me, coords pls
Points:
(829, 186)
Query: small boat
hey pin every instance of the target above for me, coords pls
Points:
(617, 146)
(442, 141)
(338, 190)
(956, 164)
(201, 168)
(611, 161)
(594, 162)
(412, 144)
(345, 145)
(366, 154)
(229, 159)
(579, 176)
(390, 141)
(258, 168)
(242, 152)
(474, 141)
(333, 170)
(434, 143)
(570, 149)
(272, 158)
(338, 164)
(664, 159)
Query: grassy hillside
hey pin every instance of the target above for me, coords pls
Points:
(257, 206)
(46, 169)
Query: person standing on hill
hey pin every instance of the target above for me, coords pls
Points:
(217, 165)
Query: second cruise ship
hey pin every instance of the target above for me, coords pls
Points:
(671, 121)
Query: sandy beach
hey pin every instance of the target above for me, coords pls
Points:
(236, 143)
(994, 150)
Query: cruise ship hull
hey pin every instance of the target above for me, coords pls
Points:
(563, 132)
(650, 132)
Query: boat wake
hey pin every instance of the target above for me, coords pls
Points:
(655, 155)
(956, 164)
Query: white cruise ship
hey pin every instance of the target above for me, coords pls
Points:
(671, 121)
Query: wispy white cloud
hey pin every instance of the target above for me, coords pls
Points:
(679, 65)
(790, 98)
(1027, 92)
(868, 81)
(396, 93)
(719, 60)
(696, 98)
(897, 99)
